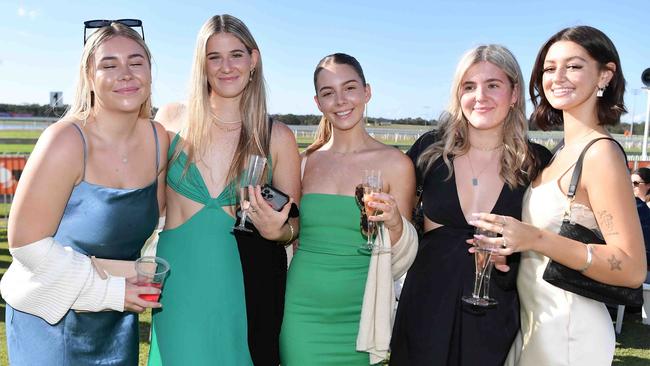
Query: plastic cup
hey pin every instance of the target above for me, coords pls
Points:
(152, 272)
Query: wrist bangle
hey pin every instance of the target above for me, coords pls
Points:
(589, 258)
(291, 236)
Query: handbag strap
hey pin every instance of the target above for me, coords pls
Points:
(577, 171)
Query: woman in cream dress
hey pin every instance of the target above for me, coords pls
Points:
(577, 81)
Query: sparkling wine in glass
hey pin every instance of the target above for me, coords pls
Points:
(250, 177)
(482, 260)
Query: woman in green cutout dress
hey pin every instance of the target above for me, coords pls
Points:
(203, 318)
(327, 277)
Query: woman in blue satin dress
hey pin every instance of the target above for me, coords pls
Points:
(94, 186)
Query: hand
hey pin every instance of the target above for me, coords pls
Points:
(516, 236)
(390, 214)
(267, 221)
(132, 300)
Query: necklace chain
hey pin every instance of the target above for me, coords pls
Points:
(474, 175)
(218, 122)
(225, 122)
(492, 148)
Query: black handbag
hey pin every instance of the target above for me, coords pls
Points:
(573, 281)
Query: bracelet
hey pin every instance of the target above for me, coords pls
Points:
(291, 236)
(589, 258)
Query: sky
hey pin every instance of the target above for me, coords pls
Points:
(408, 49)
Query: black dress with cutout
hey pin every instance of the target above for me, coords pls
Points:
(433, 325)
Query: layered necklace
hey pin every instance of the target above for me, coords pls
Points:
(471, 166)
(224, 125)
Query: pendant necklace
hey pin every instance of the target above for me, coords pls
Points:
(474, 175)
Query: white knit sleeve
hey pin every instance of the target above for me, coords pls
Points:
(47, 279)
(403, 252)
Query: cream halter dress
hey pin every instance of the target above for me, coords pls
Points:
(557, 327)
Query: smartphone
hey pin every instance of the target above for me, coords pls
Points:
(274, 197)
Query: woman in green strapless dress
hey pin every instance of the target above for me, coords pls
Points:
(327, 276)
(203, 320)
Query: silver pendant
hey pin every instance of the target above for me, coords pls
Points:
(475, 182)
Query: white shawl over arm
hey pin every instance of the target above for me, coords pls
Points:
(47, 279)
(377, 311)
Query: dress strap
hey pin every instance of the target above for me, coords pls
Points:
(83, 140)
(155, 136)
(303, 163)
(172, 146)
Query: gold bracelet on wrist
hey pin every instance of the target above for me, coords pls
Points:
(291, 238)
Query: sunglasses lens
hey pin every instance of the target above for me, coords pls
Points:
(130, 22)
(97, 23)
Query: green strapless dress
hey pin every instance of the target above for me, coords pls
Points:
(203, 318)
(325, 285)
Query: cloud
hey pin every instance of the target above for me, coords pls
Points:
(30, 13)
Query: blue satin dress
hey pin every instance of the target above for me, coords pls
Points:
(108, 223)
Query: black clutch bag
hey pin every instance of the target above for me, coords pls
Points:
(573, 281)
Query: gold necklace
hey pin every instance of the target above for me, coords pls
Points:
(226, 129)
(474, 175)
(224, 122)
(492, 148)
(218, 122)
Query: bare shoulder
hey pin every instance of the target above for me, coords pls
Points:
(172, 116)
(604, 152)
(395, 159)
(61, 142)
(281, 133)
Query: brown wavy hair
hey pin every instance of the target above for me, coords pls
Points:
(600, 48)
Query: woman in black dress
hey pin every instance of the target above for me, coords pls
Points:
(480, 160)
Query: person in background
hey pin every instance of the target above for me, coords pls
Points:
(641, 187)
(576, 82)
(329, 282)
(480, 160)
(93, 186)
(204, 316)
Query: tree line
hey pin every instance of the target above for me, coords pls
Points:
(45, 110)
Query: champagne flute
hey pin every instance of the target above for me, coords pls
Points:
(250, 177)
(373, 184)
(482, 260)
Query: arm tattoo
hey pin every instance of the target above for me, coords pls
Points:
(614, 263)
(607, 221)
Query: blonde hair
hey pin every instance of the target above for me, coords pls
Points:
(324, 132)
(84, 99)
(517, 164)
(254, 136)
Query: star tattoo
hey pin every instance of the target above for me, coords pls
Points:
(614, 263)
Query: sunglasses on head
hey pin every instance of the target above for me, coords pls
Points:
(101, 23)
(636, 183)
